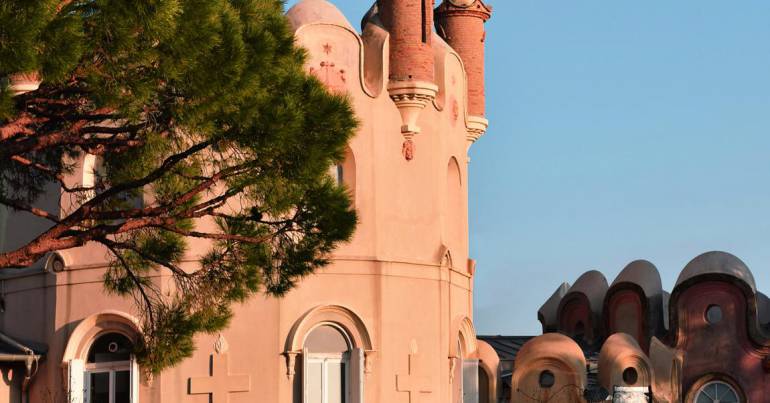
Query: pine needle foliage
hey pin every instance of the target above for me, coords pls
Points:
(207, 131)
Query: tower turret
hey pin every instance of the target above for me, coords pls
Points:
(461, 24)
(410, 79)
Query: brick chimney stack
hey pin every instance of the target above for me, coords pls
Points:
(461, 24)
(410, 79)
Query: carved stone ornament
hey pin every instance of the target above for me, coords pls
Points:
(219, 384)
(221, 346)
(452, 365)
(407, 149)
(411, 97)
(415, 383)
(291, 362)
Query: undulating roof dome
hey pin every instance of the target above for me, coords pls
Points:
(719, 263)
(763, 309)
(642, 273)
(548, 314)
(316, 11)
(594, 286)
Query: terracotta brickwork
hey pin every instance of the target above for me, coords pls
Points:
(409, 23)
(463, 28)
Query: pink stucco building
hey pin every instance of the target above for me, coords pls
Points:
(389, 321)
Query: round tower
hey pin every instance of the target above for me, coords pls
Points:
(409, 23)
(410, 79)
(461, 24)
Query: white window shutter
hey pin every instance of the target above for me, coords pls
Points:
(76, 381)
(356, 372)
(470, 381)
(135, 375)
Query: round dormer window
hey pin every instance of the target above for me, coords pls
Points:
(717, 391)
(714, 314)
(630, 376)
(547, 379)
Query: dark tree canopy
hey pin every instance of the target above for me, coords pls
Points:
(202, 112)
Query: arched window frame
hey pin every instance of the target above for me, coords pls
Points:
(464, 361)
(109, 368)
(344, 172)
(93, 179)
(712, 378)
(74, 366)
(354, 329)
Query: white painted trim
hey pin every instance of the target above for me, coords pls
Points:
(75, 378)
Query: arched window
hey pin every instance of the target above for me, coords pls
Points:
(344, 172)
(109, 371)
(466, 376)
(332, 368)
(717, 391)
(483, 386)
(457, 375)
(454, 206)
(94, 178)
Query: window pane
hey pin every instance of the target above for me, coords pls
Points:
(470, 381)
(326, 339)
(110, 347)
(122, 387)
(99, 389)
(336, 382)
(314, 382)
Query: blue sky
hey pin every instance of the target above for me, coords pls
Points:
(619, 130)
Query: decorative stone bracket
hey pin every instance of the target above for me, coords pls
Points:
(291, 362)
(453, 361)
(410, 98)
(476, 126)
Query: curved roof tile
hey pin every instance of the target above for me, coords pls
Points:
(642, 273)
(721, 263)
(594, 286)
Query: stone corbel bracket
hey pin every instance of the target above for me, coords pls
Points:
(410, 98)
(476, 126)
(291, 362)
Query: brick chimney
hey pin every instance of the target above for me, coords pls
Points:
(461, 24)
(410, 79)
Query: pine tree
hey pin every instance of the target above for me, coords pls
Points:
(193, 106)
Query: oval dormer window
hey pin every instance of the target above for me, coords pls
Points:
(714, 314)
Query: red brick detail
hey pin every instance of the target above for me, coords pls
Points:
(409, 23)
(463, 29)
